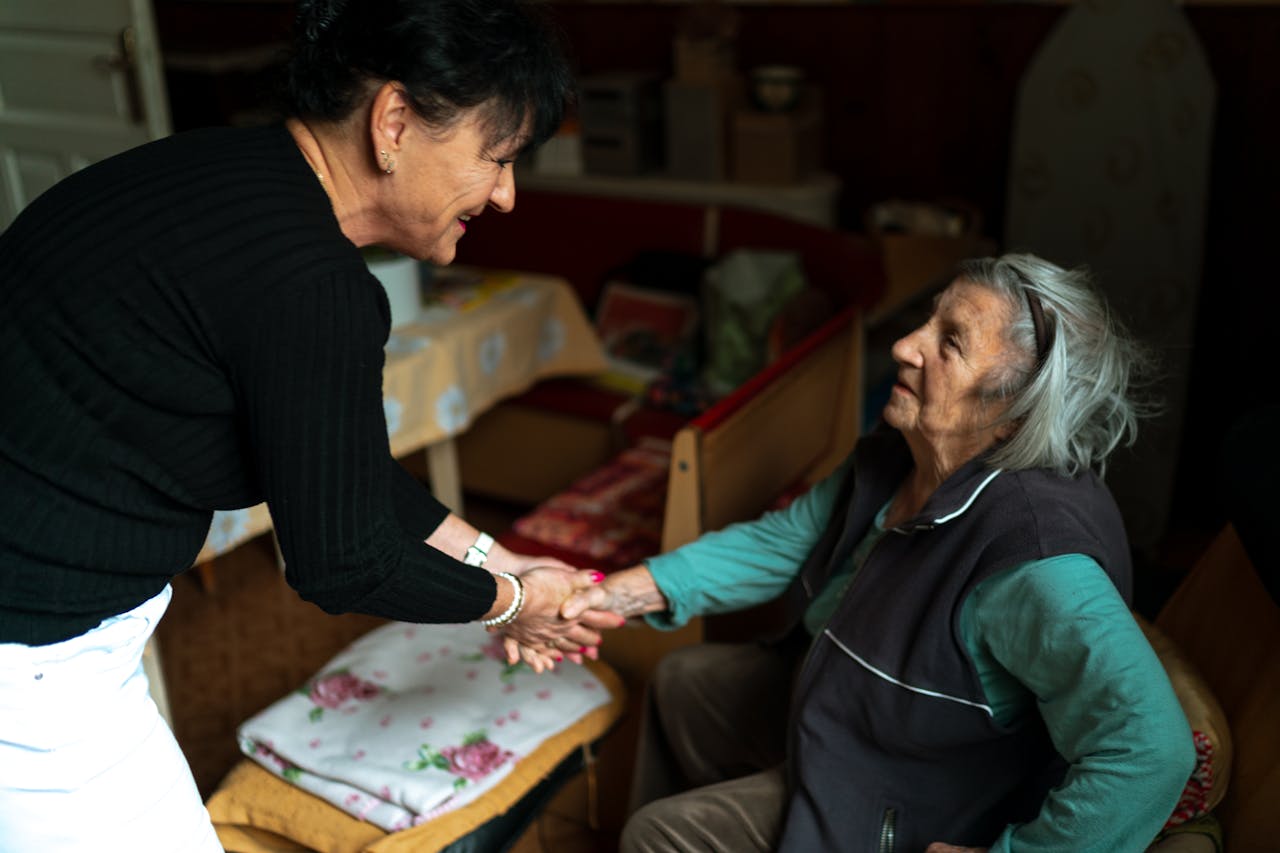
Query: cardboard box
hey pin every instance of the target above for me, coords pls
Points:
(704, 61)
(621, 120)
(777, 148)
(920, 244)
(698, 127)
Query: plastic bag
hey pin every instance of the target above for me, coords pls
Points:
(742, 295)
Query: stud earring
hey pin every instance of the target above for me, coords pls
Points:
(388, 165)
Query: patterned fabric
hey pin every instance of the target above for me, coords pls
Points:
(413, 721)
(1194, 801)
(613, 514)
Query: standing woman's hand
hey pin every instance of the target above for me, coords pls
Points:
(539, 634)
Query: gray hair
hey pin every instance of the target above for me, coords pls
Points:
(1079, 403)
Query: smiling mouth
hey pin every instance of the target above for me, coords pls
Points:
(463, 220)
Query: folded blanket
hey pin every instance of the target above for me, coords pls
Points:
(412, 721)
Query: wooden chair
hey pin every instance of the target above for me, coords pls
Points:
(1225, 622)
(783, 430)
(794, 422)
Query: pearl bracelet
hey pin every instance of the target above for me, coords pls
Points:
(512, 611)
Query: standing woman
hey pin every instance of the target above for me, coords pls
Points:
(190, 326)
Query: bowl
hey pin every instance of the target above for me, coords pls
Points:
(776, 88)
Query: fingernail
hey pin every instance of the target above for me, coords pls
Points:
(582, 651)
(597, 576)
(622, 620)
(559, 657)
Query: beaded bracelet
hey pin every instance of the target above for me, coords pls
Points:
(513, 610)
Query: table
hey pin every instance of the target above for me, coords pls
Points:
(483, 335)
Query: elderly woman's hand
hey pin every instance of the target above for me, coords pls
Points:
(540, 635)
(630, 592)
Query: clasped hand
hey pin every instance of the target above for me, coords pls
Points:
(541, 635)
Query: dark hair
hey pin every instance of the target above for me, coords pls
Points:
(450, 56)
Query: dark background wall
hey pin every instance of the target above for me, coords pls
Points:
(919, 104)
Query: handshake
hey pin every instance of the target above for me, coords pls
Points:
(564, 610)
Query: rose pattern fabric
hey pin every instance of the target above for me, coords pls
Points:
(473, 760)
(332, 690)
(412, 721)
(494, 651)
(1194, 801)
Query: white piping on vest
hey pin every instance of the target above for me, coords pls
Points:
(892, 680)
(973, 497)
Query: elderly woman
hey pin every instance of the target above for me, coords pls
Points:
(973, 675)
(191, 326)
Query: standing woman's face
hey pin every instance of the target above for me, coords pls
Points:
(446, 178)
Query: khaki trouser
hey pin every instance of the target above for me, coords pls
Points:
(715, 722)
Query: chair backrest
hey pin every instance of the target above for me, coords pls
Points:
(1229, 626)
(793, 422)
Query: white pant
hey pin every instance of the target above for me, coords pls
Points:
(86, 761)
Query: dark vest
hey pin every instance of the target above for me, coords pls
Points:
(892, 745)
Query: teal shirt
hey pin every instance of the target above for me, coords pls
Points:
(1050, 636)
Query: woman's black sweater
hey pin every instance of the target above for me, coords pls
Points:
(184, 328)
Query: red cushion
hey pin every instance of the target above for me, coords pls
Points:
(611, 518)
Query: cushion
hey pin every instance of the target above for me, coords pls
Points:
(1201, 835)
(611, 516)
(256, 811)
(1212, 735)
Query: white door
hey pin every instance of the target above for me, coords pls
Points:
(80, 80)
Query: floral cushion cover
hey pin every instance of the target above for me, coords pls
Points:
(412, 721)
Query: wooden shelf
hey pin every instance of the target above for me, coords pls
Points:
(813, 202)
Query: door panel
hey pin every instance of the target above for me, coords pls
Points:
(80, 80)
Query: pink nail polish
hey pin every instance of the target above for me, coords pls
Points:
(597, 576)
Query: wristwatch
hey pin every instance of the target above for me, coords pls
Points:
(478, 552)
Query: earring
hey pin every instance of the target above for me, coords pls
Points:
(388, 165)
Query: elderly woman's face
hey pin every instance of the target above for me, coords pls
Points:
(453, 178)
(942, 367)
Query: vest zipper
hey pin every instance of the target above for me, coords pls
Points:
(887, 830)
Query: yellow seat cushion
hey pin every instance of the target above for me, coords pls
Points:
(255, 811)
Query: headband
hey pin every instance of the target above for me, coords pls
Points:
(1037, 320)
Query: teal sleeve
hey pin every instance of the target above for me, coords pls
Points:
(743, 564)
(1060, 629)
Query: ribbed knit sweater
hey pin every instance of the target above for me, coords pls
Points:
(184, 328)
